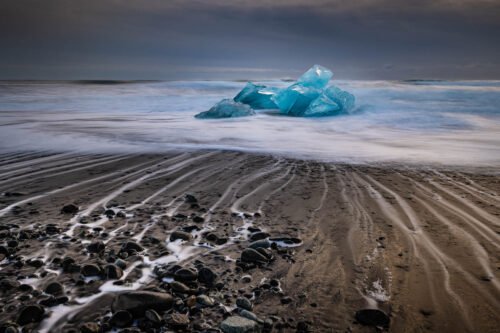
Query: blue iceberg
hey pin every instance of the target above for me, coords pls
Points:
(310, 96)
(331, 102)
(227, 108)
(257, 96)
(295, 99)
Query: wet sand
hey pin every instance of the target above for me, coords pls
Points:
(420, 244)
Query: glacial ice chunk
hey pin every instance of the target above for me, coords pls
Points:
(332, 101)
(295, 99)
(257, 96)
(227, 108)
(317, 77)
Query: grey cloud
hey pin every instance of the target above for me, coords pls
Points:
(204, 39)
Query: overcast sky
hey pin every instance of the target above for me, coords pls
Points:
(249, 39)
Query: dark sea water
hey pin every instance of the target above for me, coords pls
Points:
(435, 122)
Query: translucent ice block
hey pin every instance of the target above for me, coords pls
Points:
(227, 108)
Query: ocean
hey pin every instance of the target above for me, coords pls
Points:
(422, 122)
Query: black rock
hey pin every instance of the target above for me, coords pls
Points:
(373, 317)
(90, 270)
(190, 228)
(113, 272)
(54, 288)
(198, 219)
(186, 274)
(250, 255)
(96, 247)
(180, 287)
(153, 317)
(121, 319)
(244, 303)
(70, 209)
(7, 285)
(207, 276)
(189, 198)
(258, 236)
(263, 243)
(180, 235)
(30, 314)
(109, 213)
(137, 302)
(52, 229)
(132, 246)
(286, 300)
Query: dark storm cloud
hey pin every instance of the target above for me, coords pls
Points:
(244, 39)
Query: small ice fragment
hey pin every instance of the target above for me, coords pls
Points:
(257, 96)
(317, 77)
(331, 102)
(295, 99)
(227, 108)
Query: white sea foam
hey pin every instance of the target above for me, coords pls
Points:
(421, 122)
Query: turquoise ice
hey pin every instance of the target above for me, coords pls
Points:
(308, 97)
(331, 102)
(227, 108)
(317, 77)
(295, 99)
(257, 96)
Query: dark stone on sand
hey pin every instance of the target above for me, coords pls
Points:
(180, 216)
(69, 266)
(96, 247)
(89, 328)
(286, 300)
(4, 250)
(53, 301)
(207, 276)
(178, 320)
(12, 243)
(180, 235)
(190, 228)
(113, 272)
(109, 213)
(153, 317)
(37, 263)
(132, 246)
(137, 302)
(373, 317)
(121, 263)
(180, 287)
(70, 209)
(244, 303)
(30, 314)
(52, 229)
(121, 319)
(253, 256)
(7, 285)
(198, 219)
(189, 198)
(238, 324)
(90, 270)
(121, 215)
(258, 236)
(54, 288)
(186, 274)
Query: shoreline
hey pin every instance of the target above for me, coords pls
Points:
(418, 243)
